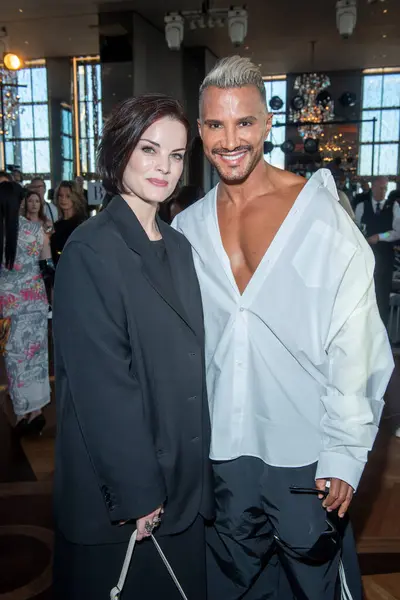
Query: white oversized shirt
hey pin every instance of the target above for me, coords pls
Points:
(298, 365)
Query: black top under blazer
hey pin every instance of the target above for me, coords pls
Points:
(133, 428)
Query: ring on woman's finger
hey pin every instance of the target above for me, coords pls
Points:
(148, 527)
(156, 521)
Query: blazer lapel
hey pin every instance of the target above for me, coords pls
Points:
(182, 275)
(138, 241)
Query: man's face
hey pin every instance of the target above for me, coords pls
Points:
(233, 125)
(379, 189)
(39, 187)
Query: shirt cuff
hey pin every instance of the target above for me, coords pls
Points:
(340, 466)
(383, 237)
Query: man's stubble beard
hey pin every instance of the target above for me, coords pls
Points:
(240, 177)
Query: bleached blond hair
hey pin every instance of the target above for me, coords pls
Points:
(234, 72)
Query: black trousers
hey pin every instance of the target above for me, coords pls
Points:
(243, 561)
(90, 572)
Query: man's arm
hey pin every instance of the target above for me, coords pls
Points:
(94, 350)
(360, 366)
(393, 234)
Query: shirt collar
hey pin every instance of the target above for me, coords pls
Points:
(382, 203)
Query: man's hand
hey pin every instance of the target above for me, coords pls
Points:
(373, 239)
(141, 523)
(340, 495)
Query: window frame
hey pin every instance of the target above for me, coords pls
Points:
(15, 139)
(282, 114)
(377, 144)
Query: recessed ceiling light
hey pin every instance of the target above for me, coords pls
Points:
(246, 48)
(20, 10)
(385, 11)
(384, 35)
(26, 42)
(260, 64)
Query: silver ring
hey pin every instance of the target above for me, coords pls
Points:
(148, 527)
(156, 521)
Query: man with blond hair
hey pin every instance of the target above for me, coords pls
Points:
(297, 356)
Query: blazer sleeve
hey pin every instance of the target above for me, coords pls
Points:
(91, 337)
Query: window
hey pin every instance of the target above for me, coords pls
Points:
(67, 150)
(88, 108)
(379, 140)
(276, 86)
(27, 142)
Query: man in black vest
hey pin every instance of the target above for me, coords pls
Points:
(380, 218)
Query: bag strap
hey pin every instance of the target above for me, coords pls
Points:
(116, 591)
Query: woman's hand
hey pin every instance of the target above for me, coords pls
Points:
(144, 525)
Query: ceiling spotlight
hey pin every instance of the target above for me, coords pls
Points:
(323, 98)
(174, 28)
(287, 147)
(348, 99)
(268, 147)
(297, 102)
(346, 17)
(12, 62)
(237, 25)
(310, 145)
(276, 103)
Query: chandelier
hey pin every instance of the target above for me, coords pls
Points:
(9, 105)
(312, 105)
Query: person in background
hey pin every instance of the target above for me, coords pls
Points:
(380, 219)
(132, 416)
(344, 195)
(186, 196)
(23, 299)
(18, 176)
(394, 196)
(79, 182)
(38, 185)
(4, 176)
(72, 209)
(33, 210)
(365, 193)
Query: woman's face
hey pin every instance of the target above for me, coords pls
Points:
(33, 205)
(156, 164)
(65, 200)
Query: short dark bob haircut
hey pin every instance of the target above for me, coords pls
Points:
(123, 130)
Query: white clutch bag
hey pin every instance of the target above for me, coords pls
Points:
(116, 591)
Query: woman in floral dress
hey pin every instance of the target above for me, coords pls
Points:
(23, 298)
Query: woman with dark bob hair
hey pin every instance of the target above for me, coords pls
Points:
(132, 417)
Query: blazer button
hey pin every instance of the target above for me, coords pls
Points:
(192, 354)
(192, 398)
(195, 439)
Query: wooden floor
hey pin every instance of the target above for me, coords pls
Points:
(26, 480)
